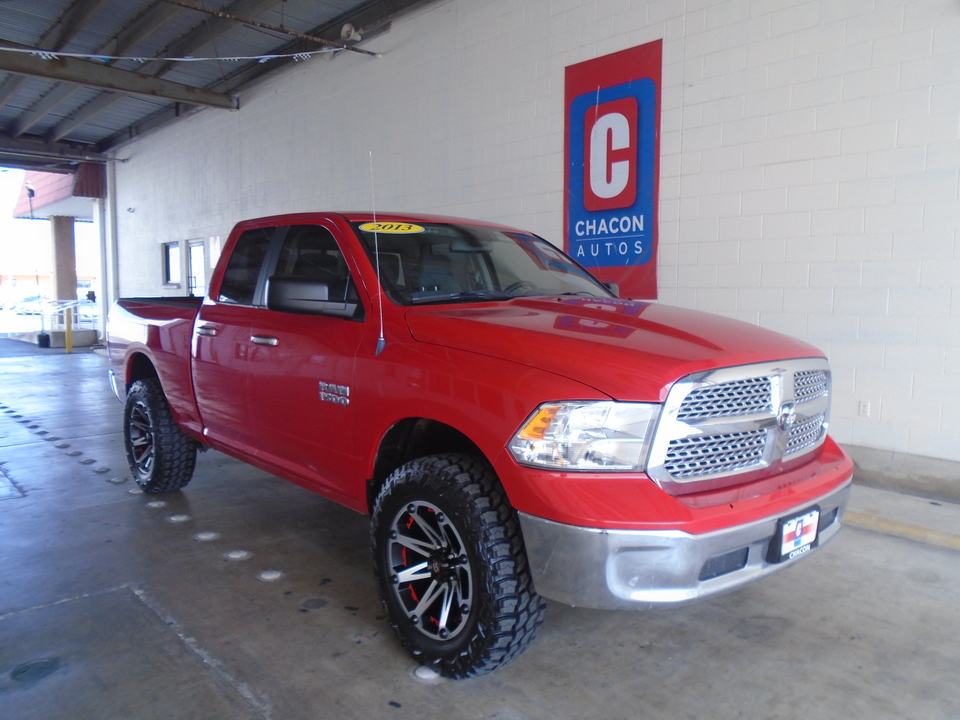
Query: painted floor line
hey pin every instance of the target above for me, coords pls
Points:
(54, 603)
(260, 704)
(885, 526)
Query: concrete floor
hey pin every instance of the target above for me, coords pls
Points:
(114, 604)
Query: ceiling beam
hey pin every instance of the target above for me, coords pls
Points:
(9, 86)
(139, 29)
(82, 115)
(373, 17)
(156, 121)
(134, 32)
(35, 114)
(204, 33)
(276, 28)
(27, 153)
(63, 29)
(104, 77)
(69, 24)
(187, 44)
(27, 163)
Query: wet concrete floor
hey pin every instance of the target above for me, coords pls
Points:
(244, 596)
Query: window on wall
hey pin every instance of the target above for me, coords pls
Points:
(197, 268)
(171, 264)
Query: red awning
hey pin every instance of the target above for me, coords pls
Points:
(61, 194)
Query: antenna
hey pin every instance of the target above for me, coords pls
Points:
(381, 341)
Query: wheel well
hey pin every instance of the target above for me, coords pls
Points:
(410, 439)
(140, 368)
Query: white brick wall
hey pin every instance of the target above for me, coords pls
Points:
(809, 179)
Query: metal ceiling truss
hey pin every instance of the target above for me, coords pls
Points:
(29, 139)
(104, 77)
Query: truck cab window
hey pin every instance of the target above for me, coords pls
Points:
(310, 252)
(242, 272)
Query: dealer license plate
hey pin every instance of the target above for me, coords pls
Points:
(796, 535)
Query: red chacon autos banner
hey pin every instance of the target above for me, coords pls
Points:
(612, 173)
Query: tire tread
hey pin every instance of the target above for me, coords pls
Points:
(517, 609)
(174, 454)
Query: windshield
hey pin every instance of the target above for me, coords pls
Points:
(439, 262)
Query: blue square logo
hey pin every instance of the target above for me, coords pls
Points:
(612, 136)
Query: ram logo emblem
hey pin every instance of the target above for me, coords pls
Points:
(786, 416)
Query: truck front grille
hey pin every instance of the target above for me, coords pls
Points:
(692, 457)
(805, 435)
(741, 397)
(809, 385)
(719, 424)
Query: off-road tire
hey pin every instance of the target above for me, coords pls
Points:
(161, 457)
(459, 498)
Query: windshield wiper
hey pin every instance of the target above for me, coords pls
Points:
(437, 297)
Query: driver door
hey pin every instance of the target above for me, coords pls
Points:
(301, 366)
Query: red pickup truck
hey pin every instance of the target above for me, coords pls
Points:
(514, 430)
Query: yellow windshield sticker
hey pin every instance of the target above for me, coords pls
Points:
(396, 228)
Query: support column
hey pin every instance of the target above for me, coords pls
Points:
(104, 294)
(64, 258)
(110, 238)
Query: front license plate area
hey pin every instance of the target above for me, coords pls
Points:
(796, 535)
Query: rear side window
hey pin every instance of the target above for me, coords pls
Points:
(240, 278)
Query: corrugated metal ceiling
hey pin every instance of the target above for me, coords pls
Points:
(88, 108)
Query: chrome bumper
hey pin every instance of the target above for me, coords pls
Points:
(609, 569)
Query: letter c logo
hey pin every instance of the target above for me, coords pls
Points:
(608, 179)
(610, 155)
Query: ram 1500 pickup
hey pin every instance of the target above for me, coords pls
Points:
(514, 430)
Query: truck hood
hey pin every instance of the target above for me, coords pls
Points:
(626, 349)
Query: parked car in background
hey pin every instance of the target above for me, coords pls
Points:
(30, 306)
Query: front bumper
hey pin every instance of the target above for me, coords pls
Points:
(609, 569)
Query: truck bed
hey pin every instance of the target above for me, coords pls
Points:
(132, 303)
(162, 327)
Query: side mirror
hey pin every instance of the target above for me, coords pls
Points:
(306, 296)
(613, 287)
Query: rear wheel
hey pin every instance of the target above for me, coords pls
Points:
(161, 457)
(451, 567)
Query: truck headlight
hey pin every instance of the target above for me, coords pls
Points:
(594, 436)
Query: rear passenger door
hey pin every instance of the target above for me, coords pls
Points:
(301, 366)
(221, 343)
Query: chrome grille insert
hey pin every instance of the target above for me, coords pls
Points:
(809, 385)
(692, 457)
(742, 397)
(804, 435)
(719, 424)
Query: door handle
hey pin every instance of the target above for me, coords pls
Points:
(264, 340)
(207, 330)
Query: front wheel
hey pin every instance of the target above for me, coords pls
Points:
(161, 457)
(451, 566)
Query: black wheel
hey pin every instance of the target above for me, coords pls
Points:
(161, 457)
(451, 567)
